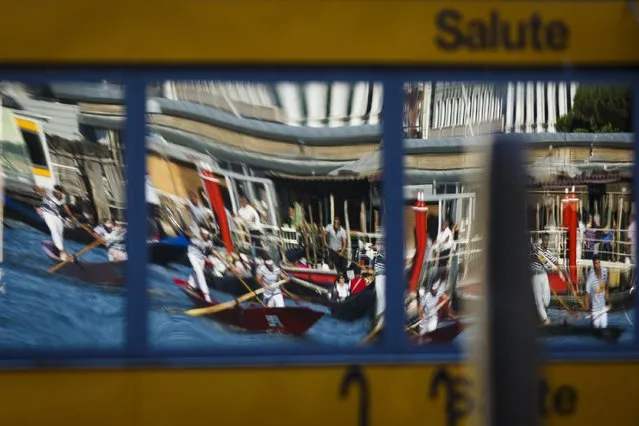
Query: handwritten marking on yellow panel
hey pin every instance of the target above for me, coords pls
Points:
(575, 394)
(311, 31)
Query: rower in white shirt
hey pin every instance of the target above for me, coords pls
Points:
(430, 304)
(199, 248)
(114, 238)
(54, 205)
(116, 243)
(200, 214)
(267, 275)
(597, 287)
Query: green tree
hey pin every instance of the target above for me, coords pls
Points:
(598, 109)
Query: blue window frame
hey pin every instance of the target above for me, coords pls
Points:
(395, 348)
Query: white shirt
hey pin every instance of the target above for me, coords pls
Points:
(342, 290)
(443, 235)
(335, 239)
(250, 216)
(596, 289)
(199, 248)
(430, 302)
(152, 196)
(269, 278)
(632, 232)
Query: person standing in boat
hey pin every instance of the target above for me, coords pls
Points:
(103, 230)
(597, 292)
(267, 275)
(200, 246)
(431, 302)
(200, 214)
(541, 262)
(54, 204)
(115, 243)
(334, 238)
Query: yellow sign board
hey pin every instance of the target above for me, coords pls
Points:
(576, 394)
(317, 31)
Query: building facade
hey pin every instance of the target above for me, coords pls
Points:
(471, 109)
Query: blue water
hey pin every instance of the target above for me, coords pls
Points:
(42, 310)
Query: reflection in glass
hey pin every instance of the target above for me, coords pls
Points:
(63, 231)
(580, 212)
(284, 180)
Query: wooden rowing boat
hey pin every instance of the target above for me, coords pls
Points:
(469, 293)
(352, 308)
(102, 273)
(293, 320)
(167, 250)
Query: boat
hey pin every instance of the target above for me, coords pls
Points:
(468, 293)
(446, 332)
(609, 334)
(167, 250)
(103, 273)
(352, 308)
(292, 320)
(355, 306)
(319, 277)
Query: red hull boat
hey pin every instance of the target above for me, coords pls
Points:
(316, 276)
(290, 320)
(102, 273)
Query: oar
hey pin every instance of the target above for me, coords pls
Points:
(373, 333)
(437, 308)
(246, 285)
(231, 304)
(314, 287)
(71, 258)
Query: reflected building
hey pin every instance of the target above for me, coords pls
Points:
(448, 109)
(313, 104)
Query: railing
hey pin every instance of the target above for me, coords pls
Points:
(220, 95)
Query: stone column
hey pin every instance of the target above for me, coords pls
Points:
(541, 107)
(530, 106)
(551, 101)
(519, 108)
(338, 108)
(510, 108)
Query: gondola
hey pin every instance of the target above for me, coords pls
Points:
(468, 294)
(292, 320)
(609, 334)
(355, 306)
(352, 308)
(103, 273)
(167, 250)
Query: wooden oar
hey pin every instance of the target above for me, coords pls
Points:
(314, 287)
(246, 285)
(73, 257)
(437, 308)
(231, 304)
(379, 327)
